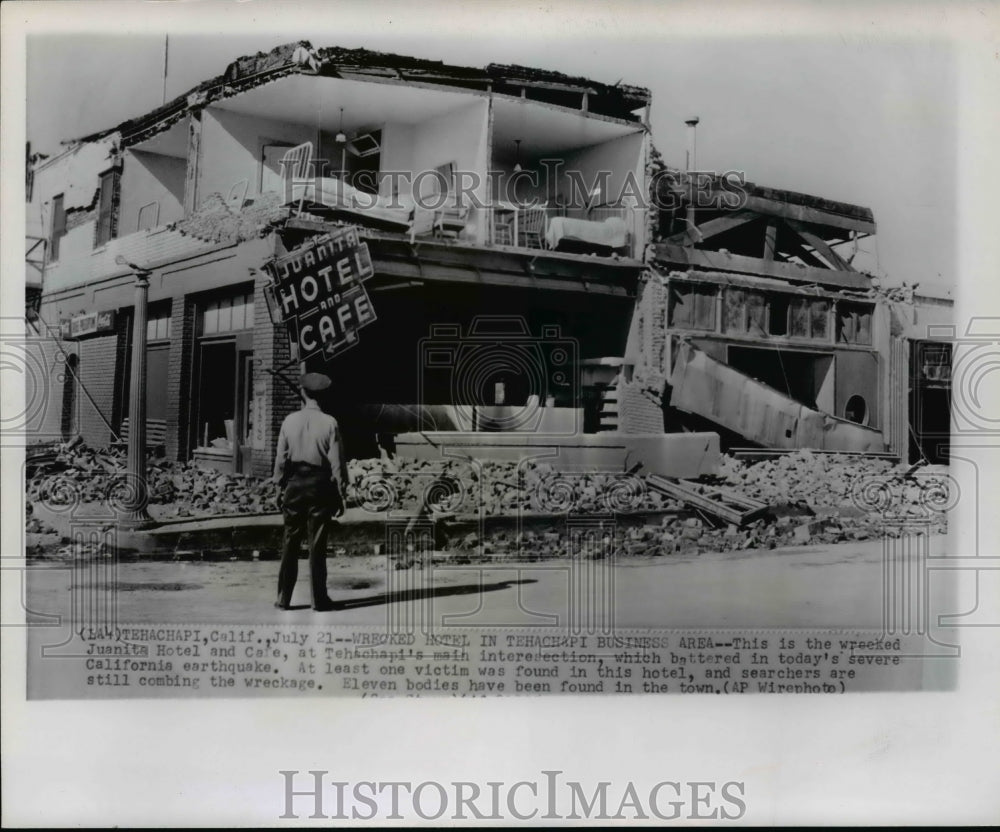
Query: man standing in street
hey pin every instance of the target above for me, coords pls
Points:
(311, 468)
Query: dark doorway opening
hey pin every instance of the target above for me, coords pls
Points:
(803, 376)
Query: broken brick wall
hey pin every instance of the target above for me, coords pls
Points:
(640, 393)
(640, 406)
(271, 351)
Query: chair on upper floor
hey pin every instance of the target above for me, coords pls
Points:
(237, 196)
(295, 165)
(449, 222)
(503, 227)
(531, 226)
(422, 222)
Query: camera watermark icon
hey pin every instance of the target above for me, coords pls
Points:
(974, 374)
(499, 376)
(922, 591)
(88, 558)
(49, 408)
(409, 553)
(89, 564)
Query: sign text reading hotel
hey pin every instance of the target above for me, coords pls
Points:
(311, 275)
(318, 291)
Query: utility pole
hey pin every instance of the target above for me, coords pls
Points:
(137, 488)
(691, 163)
(166, 59)
(692, 155)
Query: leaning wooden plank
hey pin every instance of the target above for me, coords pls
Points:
(728, 505)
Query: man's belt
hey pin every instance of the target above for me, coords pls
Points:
(308, 468)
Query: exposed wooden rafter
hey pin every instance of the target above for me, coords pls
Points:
(712, 228)
(820, 245)
(674, 256)
(797, 250)
(770, 240)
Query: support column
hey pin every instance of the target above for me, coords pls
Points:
(137, 498)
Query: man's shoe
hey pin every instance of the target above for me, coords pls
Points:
(281, 606)
(326, 605)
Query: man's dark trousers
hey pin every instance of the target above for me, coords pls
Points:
(309, 500)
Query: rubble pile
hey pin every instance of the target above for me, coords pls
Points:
(34, 525)
(870, 484)
(78, 474)
(676, 535)
(500, 487)
(216, 222)
(812, 498)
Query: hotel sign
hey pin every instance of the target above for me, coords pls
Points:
(317, 291)
(84, 326)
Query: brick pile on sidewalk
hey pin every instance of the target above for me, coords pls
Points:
(497, 487)
(813, 498)
(78, 474)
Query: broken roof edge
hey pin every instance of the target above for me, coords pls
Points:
(765, 192)
(251, 71)
(664, 271)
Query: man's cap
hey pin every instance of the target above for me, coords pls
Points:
(314, 382)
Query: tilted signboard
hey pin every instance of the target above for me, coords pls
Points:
(318, 292)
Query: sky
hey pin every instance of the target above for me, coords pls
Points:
(870, 121)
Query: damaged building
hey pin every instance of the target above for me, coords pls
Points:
(558, 284)
(750, 322)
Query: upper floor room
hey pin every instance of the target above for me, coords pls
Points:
(502, 156)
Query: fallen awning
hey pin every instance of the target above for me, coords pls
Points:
(761, 414)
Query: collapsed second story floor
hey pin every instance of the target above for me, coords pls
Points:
(504, 156)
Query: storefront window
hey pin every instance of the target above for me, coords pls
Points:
(228, 314)
(734, 311)
(158, 325)
(854, 323)
(745, 312)
(819, 317)
(692, 306)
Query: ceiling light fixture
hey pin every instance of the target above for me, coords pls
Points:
(341, 136)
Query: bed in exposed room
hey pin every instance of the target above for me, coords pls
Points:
(568, 232)
(329, 195)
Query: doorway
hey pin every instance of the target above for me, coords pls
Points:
(222, 382)
(222, 409)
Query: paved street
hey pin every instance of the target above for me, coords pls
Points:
(817, 586)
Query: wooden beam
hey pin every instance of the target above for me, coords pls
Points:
(675, 255)
(483, 266)
(810, 259)
(788, 211)
(821, 246)
(770, 240)
(723, 199)
(453, 273)
(712, 228)
(192, 171)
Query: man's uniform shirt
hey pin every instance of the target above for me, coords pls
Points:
(310, 435)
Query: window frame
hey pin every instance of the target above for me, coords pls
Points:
(856, 310)
(690, 291)
(57, 233)
(110, 211)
